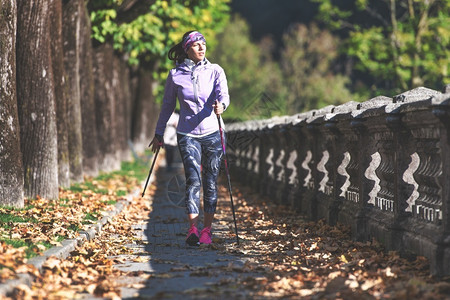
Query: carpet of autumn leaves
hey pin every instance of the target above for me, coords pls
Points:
(293, 257)
(313, 260)
(44, 223)
(89, 270)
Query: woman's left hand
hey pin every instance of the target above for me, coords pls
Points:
(218, 108)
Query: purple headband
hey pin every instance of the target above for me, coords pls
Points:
(192, 38)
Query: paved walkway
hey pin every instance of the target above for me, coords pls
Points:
(175, 270)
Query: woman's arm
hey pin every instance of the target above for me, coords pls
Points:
(221, 88)
(168, 105)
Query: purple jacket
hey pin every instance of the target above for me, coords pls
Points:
(196, 91)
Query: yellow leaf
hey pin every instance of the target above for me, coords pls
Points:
(343, 258)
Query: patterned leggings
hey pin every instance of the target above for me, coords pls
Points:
(208, 152)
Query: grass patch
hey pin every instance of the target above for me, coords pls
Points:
(87, 186)
(136, 169)
(9, 218)
(121, 193)
(74, 227)
(90, 218)
(110, 202)
(76, 188)
(60, 238)
(12, 208)
(31, 250)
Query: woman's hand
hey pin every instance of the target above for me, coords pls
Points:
(156, 143)
(218, 108)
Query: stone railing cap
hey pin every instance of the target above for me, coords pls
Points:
(441, 99)
(411, 100)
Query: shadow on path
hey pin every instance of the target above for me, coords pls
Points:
(173, 269)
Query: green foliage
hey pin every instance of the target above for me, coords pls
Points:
(306, 61)
(251, 74)
(149, 36)
(402, 44)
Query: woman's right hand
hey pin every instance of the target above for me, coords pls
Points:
(156, 143)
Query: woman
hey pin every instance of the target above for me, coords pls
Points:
(202, 91)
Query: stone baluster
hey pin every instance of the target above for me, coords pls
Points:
(265, 156)
(379, 210)
(257, 178)
(241, 148)
(363, 161)
(309, 195)
(303, 153)
(245, 148)
(279, 153)
(287, 171)
(330, 195)
(324, 165)
(274, 140)
(340, 160)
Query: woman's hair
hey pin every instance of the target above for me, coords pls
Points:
(177, 53)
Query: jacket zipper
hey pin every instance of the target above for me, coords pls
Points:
(195, 83)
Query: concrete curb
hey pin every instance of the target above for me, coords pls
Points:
(67, 246)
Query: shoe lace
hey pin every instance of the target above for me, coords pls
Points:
(192, 229)
(207, 231)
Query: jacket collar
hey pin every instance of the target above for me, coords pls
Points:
(189, 65)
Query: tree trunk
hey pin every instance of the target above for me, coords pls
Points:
(105, 108)
(11, 171)
(88, 120)
(71, 33)
(145, 110)
(60, 93)
(36, 99)
(122, 117)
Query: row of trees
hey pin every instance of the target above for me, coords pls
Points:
(79, 83)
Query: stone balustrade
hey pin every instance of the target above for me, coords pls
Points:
(381, 166)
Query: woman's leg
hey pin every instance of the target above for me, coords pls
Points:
(190, 151)
(211, 159)
(208, 218)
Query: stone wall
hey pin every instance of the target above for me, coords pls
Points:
(381, 166)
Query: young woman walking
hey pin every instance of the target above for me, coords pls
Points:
(202, 91)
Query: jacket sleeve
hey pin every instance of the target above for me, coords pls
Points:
(168, 105)
(221, 87)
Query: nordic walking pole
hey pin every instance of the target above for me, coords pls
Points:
(150, 172)
(228, 177)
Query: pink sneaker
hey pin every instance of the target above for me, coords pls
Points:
(205, 236)
(192, 236)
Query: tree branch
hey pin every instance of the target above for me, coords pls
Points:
(377, 16)
(131, 9)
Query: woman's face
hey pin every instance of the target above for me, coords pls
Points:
(197, 51)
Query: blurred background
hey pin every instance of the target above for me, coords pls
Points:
(300, 55)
